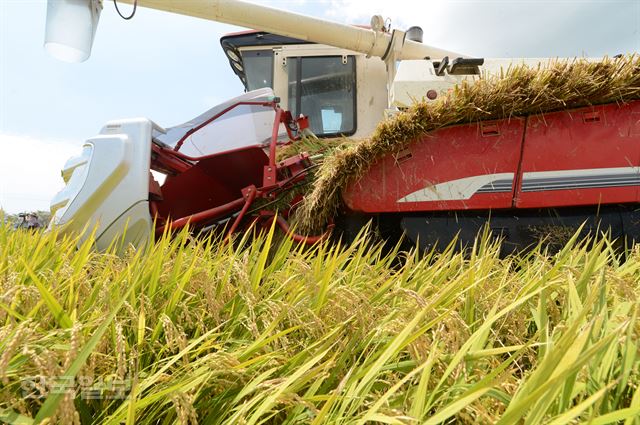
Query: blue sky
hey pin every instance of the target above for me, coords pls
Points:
(170, 68)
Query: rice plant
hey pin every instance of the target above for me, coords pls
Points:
(198, 331)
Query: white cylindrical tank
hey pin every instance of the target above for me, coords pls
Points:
(71, 27)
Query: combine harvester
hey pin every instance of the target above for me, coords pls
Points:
(520, 174)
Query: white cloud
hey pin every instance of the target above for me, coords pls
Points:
(498, 28)
(403, 13)
(30, 171)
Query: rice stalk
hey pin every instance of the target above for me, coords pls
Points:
(199, 331)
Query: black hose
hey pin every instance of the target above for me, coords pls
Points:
(126, 18)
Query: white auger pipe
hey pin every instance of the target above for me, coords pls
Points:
(281, 22)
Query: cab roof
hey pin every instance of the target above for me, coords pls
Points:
(232, 43)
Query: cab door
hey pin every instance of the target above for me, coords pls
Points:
(319, 83)
(342, 92)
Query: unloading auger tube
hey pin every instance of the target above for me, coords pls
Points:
(373, 42)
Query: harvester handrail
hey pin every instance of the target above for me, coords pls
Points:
(270, 172)
(190, 132)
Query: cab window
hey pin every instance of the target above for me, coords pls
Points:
(324, 89)
(258, 66)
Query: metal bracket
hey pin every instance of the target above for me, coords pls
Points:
(344, 59)
(489, 129)
(391, 57)
(277, 54)
(591, 116)
(377, 25)
(97, 6)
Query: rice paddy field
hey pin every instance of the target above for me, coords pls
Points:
(264, 331)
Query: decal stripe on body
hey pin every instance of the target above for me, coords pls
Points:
(580, 179)
(461, 189)
(533, 181)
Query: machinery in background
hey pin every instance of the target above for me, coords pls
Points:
(28, 221)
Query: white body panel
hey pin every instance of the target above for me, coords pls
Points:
(414, 78)
(243, 126)
(108, 186)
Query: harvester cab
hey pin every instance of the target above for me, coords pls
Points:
(344, 92)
